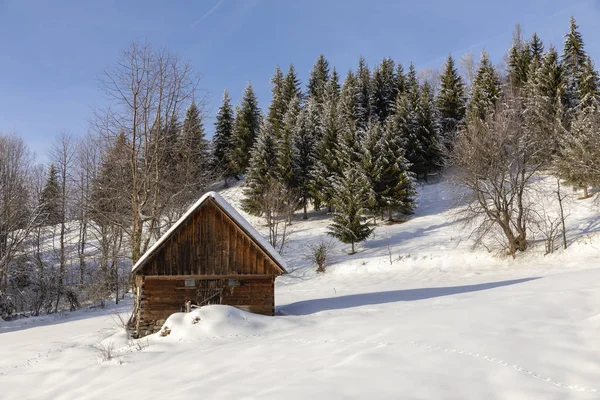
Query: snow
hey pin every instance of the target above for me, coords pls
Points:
(441, 321)
(232, 212)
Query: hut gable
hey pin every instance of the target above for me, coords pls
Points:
(210, 239)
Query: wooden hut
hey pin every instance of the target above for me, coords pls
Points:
(212, 255)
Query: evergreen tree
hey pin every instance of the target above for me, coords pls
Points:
(574, 59)
(326, 163)
(428, 131)
(451, 103)
(246, 128)
(304, 158)
(223, 137)
(262, 170)
(363, 77)
(285, 146)
(519, 59)
(371, 164)
(50, 203)
(291, 87)
(278, 104)
(589, 93)
(319, 75)
(348, 146)
(348, 223)
(396, 188)
(579, 161)
(384, 89)
(400, 79)
(194, 156)
(546, 99)
(486, 90)
(536, 48)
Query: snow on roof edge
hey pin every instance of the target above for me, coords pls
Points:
(232, 212)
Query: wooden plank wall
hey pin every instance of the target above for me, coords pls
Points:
(161, 297)
(209, 243)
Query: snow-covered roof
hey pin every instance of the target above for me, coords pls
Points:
(233, 214)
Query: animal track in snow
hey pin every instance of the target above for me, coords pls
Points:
(509, 365)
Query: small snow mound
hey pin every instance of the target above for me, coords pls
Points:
(213, 321)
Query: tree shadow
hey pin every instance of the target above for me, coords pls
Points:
(307, 307)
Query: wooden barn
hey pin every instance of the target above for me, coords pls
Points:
(212, 255)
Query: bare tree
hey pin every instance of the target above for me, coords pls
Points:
(147, 89)
(496, 160)
(467, 66)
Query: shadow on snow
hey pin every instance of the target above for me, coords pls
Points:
(313, 306)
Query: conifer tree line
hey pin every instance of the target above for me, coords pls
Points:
(351, 145)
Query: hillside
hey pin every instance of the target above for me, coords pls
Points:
(441, 320)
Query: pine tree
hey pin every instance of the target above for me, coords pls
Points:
(348, 223)
(326, 163)
(348, 146)
(400, 79)
(278, 104)
(304, 159)
(579, 161)
(486, 90)
(428, 131)
(291, 87)
(519, 59)
(451, 103)
(536, 48)
(396, 188)
(363, 77)
(222, 139)
(384, 89)
(194, 155)
(371, 164)
(319, 75)
(246, 128)
(50, 204)
(285, 146)
(405, 123)
(546, 100)
(574, 58)
(262, 169)
(589, 93)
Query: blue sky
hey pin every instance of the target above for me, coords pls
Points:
(54, 51)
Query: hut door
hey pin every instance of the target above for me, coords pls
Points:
(209, 292)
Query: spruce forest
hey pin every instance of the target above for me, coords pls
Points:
(352, 146)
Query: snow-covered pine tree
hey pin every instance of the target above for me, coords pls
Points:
(326, 163)
(261, 171)
(348, 144)
(429, 131)
(546, 97)
(222, 139)
(278, 104)
(319, 75)
(589, 93)
(536, 47)
(486, 90)
(292, 87)
(579, 160)
(397, 182)
(350, 199)
(371, 165)
(193, 152)
(519, 58)
(285, 146)
(363, 77)
(305, 135)
(50, 203)
(405, 123)
(574, 58)
(384, 87)
(247, 125)
(400, 80)
(451, 103)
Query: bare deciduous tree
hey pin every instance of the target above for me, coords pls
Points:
(496, 160)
